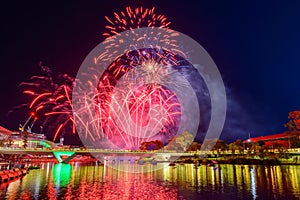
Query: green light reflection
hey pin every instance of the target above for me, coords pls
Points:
(62, 174)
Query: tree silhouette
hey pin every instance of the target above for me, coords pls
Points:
(294, 121)
(152, 145)
(294, 128)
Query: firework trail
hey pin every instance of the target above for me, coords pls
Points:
(51, 101)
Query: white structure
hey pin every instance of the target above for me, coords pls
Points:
(4, 133)
(16, 139)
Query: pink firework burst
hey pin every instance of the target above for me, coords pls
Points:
(132, 102)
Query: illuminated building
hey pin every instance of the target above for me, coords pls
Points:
(4, 133)
(282, 139)
(16, 139)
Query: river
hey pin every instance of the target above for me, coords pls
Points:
(78, 181)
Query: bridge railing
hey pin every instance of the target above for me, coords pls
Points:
(292, 150)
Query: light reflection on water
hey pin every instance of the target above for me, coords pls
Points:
(66, 181)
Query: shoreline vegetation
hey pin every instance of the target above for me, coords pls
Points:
(237, 161)
(196, 159)
(260, 158)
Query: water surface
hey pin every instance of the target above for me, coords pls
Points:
(76, 181)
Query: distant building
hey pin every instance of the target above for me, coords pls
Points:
(4, 133)
(16, 139)
(34, 140)
(283, 139)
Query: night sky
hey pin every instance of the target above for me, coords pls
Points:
(254, 44)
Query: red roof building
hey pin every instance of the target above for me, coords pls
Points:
(282, 139)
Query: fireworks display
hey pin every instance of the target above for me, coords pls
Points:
(139, 96)
(51, 96)
(51, 101)
(136, 91)
(139, 87)
(130, 96)
(134, 18)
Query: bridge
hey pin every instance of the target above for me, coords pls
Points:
(159, 154)
(70, 153)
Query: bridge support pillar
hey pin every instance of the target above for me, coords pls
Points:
(67, 154)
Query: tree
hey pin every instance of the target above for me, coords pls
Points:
(237, 145)
(296, 143)
(180, 142)
(152, 145)
(255, 147)
(194, 146)
(209, 144)
(294, 121)
(232, 147)
(220, 145)
(293, 126)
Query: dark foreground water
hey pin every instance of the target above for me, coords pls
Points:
(66, 181)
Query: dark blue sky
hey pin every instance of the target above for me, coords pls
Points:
(254, 44)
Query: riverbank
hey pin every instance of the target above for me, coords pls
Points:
(239, 161)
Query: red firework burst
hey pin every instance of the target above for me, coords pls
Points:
(51, 101)
(134, 18)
